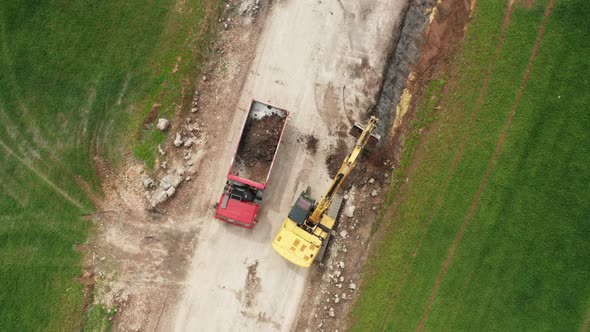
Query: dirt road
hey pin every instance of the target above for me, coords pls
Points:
(322, 61)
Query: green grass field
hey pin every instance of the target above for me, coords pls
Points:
(77, 78)
(491, 230)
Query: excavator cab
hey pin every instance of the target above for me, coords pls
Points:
(301, 209)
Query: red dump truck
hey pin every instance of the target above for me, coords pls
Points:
(251, 165)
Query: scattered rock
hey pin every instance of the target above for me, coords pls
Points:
(344, 296)
(188, 143)
(148, 183)
(331, 312)
(374, 193)
(188, 178)
(349, 211)
(352, 286)
(162, 153)
(178, 140)
(159, 197)
(170, 192)
(371, 180)
(343, 234)
(341, 264)
(194, 109)
(163, 124)
(337, 273)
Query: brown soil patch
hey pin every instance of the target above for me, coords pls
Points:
(311, 144)
(258, 146)
(335, 159)
(252, 286)
(153, 114)
(491, 165)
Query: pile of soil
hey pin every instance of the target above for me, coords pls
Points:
(311, 143)
(334, 160)
(260, 141)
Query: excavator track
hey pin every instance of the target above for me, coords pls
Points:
(333, 212)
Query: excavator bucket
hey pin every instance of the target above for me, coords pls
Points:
(358, 129)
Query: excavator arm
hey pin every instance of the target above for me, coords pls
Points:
(347, 166)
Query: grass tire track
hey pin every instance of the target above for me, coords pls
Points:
(486, 177)
(42, 176)
(456, 159)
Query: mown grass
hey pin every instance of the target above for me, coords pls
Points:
(524, 261)
(76, 79)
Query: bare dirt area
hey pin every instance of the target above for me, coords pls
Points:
(171, 265)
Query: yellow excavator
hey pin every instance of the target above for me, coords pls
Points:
(305, 234)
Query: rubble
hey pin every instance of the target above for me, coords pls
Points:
(349, 211)
(163, 124)
(374, 193)
(178, 141)
(148, 182)
(188, 143)
(167, 187)
(331, 312)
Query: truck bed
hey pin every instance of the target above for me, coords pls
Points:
(259, 141)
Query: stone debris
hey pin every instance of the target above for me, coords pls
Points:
(349, 211)
(331, 312)
(343, 234)
(167, 187)
(188, 143)
(163, 124)
(178, 141)
(248, 7)
(148, 182)
(374, 193)
(371, 180)
(352, 286)
(160, 150)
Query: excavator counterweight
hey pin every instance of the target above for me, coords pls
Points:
(305, 233)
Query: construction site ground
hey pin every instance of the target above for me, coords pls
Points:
(177, 268)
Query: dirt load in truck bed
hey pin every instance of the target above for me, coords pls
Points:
(258, 146)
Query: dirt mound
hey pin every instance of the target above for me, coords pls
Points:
(257, 147)
(261, 138)
(334, 160)
(311, 143)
